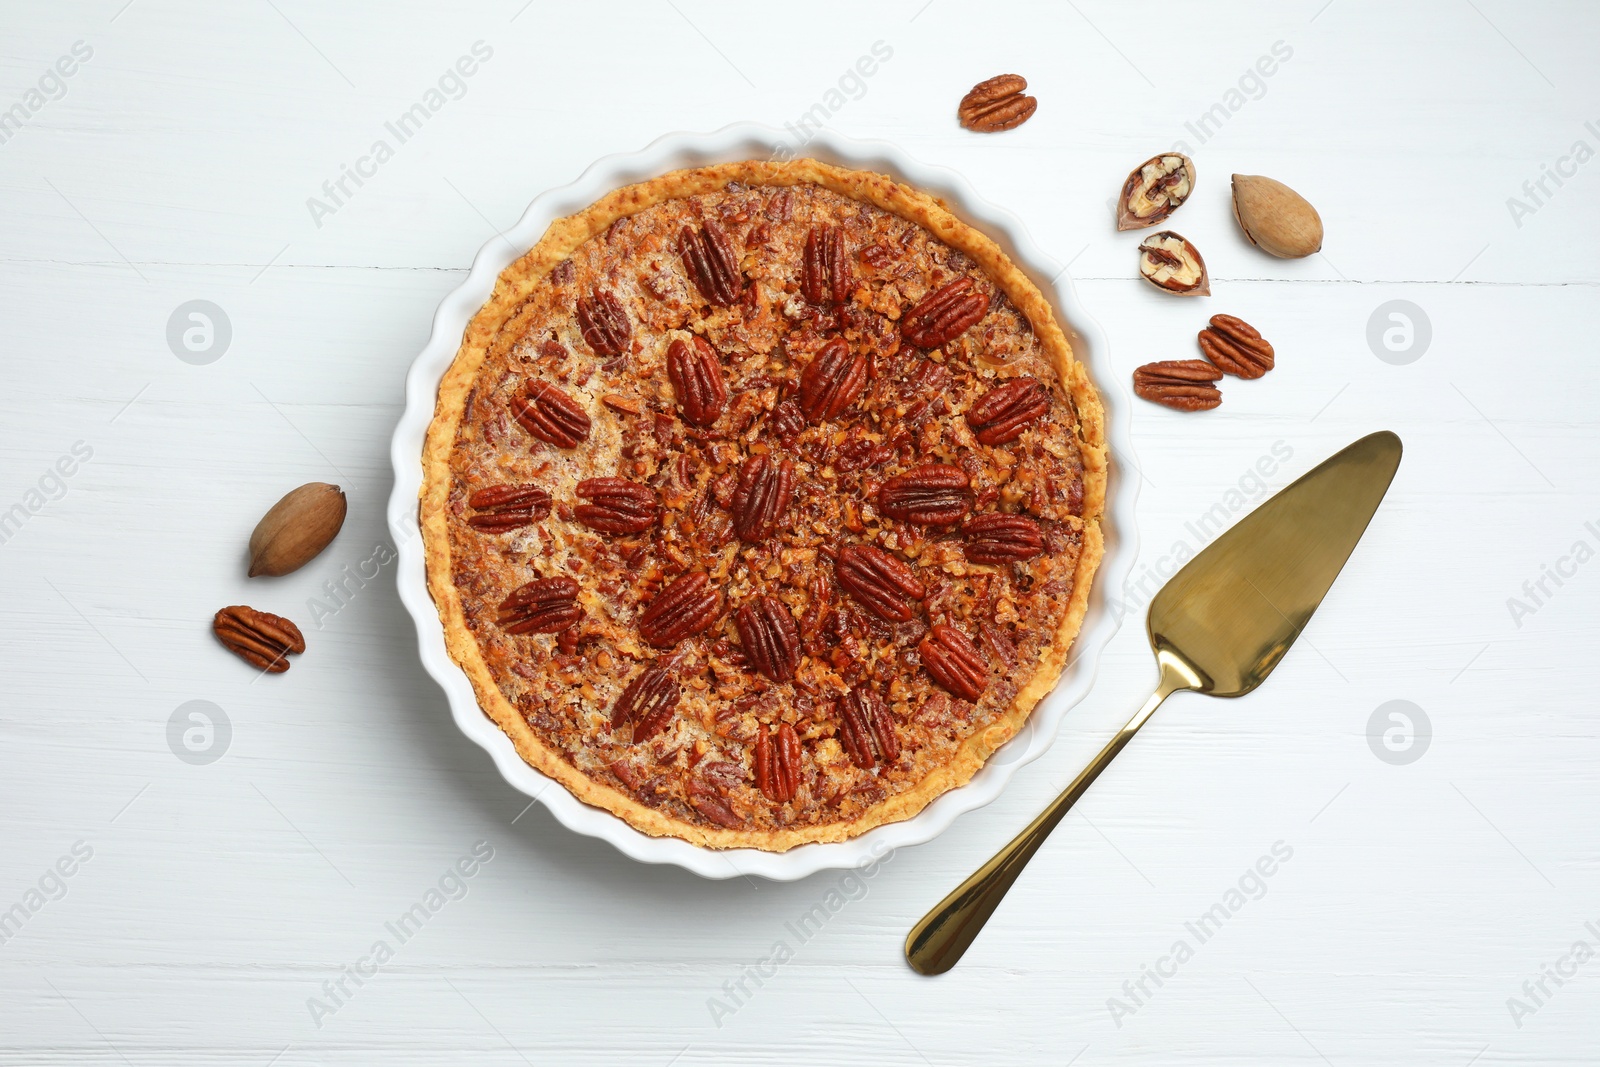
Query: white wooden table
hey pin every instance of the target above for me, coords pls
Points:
(211, 906)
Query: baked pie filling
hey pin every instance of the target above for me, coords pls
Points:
(758, 513)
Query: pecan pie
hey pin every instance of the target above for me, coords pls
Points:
(762, 502)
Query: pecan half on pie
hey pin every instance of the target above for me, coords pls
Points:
(757, 513)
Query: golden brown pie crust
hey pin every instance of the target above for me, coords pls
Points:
(499, 317)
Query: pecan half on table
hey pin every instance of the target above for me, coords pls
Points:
(1184, 384)
(260, 638)
(997, 104)
(1236, 347)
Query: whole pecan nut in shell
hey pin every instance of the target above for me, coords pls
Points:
(681, 610)
(832, 381)
(542, 606)
(770, 639)
(1184, 384)
(1236, 347)
(944, 314)
(603, 323)
(865, 724)
(616, 506)
(997, 104)
(934, 494)
(955, 662)
(1003, 413)
(505, 507)
(260, 638)
(697, 379)
(550, 415)
(761, 497)
(712, 263)
(996, 538)
(777, 763)
(879, 582)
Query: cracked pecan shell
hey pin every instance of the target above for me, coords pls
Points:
(550, 414)
(944, 314)
(1004, 412)
(770, 639)
(879, 582)
(542, 606)
(864, 725)
(832, 381)
(712, 263)
(697, 379)
(952, 660)
(1236, 347)
(616, 506)
(934, 494)
(504, 507)
(777, 763)
(682, 609)
(996, 539)
(761, 497)
(825, 276)
(260, 638)
(648, 703)
(603, 323)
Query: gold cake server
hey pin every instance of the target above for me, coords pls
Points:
(1218, 627)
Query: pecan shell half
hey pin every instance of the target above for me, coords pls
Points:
(550, 415)
(879, 582)
(681, 610)
(944, 314)
(648, 703)
(865, 724)
(1172, 263)
(955, 662)
(777, 763)
(504, 507)
(260, 638)
(603, 323)
(696, 376)
(825, 276)
(616, 506)
(996, 538)
(761, 497)
(934, 494)
(543, 606)
(832, 381)
(1184, 384)
(770, 639)
(712, 263)
(1155, 189)
(996, 104)
(1237, 347)
(1004, 412)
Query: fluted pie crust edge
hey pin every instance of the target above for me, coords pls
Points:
(513, 288)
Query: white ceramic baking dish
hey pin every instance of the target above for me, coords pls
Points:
(671, 152)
